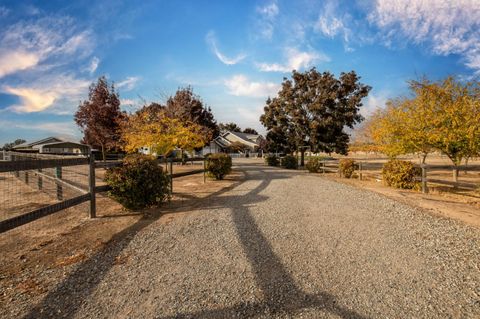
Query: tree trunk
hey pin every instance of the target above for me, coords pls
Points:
(424, 157)
(104, 156)
(466, 164)
(302, 157)
(455, 175)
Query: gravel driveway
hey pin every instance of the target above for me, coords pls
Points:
(280, 244)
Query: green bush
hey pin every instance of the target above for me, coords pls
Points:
(218, 165)
(346, 167)
(139, 182)
(290, 162)
(401, 174)
(272, 160)
(314, 165)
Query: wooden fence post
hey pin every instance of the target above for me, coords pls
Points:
(424, 179)
(204, 170)
(360, 170)
(26, 177)
(91, 186)
(58, 174)
(171, 177)
(323, 167)
(40, 179)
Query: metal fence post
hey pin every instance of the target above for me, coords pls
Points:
(58, 174)
(91, 186)
(424, 179)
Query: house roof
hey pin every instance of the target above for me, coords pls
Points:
(48, 141)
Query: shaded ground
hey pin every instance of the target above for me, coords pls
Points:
(276, 243)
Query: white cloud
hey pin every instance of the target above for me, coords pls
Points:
(92, 67)
(127, 102)
(26, 45)
(212, 42)
(448, 27)
(373, 102)
(129, 83)
(240, 85)
(13, 61)
(55, 94)
(296, 60)
(266, 19)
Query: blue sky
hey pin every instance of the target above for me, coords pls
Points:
(234, 53)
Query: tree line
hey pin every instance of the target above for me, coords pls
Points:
(183, 122)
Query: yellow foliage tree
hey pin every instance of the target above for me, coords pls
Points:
(160, 133)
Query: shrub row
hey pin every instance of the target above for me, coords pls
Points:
(401, 174)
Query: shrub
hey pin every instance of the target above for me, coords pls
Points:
(139, 182)
(314, 164)
(290, 162)
(218, 165)
(346, 167)
(401, 174)
(272, 160)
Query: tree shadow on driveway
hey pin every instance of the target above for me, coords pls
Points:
(281, 295)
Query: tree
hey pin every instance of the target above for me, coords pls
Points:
(9, 146)
(230, 127)
(456, 124)
(312, 110)
(249, 130)
(100, 116)
(236, 147)
(161, 133)
(188, 107)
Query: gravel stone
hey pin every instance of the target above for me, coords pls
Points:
(280, 244)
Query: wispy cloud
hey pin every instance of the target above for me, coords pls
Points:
(240, 85)
(4, 11)
(56, 94)
(266, 19)
(212, 42)
(93, 65)
(129, 83)
(295, 60)
(25, 45)
(448, 27)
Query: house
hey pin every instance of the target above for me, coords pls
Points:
(223, 142)
(53, 145)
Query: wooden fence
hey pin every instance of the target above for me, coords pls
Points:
(331, 166)
(27, 169)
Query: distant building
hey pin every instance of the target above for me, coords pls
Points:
(53, 145)
(226, 138)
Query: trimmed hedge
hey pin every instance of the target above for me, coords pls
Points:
(346, 167)
(272, 160)
(139, 182)
(218, 165)
(289, 162)
(314, 165)
(401, 174)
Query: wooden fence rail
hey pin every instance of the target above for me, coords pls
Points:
(331, 165)
(87, 192)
